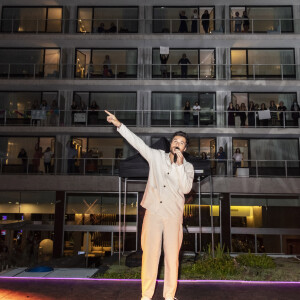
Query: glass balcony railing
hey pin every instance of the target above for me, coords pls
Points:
(150, 72)
(99, 166)
(156, 26)
(206, 117)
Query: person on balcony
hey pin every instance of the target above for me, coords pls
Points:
(282, 115)
(23, 155)
(205, 21)
(183, 25)
(237, 22)
(194, 17)
(170, 178)
(230, 111)
(184, 61)
(186, 114)
(295, 113)
(251, 114)
(163, 62)
(196, 111)
(237, 159)
(273, 110)
(245, 22)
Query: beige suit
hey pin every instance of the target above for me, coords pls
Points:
(164, 202)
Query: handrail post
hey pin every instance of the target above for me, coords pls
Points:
(84, 162)
(281, 69)
(255, 119)
(170, 118)
(285, 169)
(284, 119)
(117, 25)
(34, 71)
(86, 116)
(5, 117)
(256, 168)
(170, 72)
(1, 165)
(37, 26)
(12, 25)
(112, 166)
(198, 112)
(171, 27)
(253, 70)
(8, 71)
(116, 71)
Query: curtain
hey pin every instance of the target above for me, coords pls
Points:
(287, 60)
(274, 149)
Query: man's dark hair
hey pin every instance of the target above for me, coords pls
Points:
(183, 134)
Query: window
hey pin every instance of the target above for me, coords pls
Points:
(31, 19)
(263, 63)
(108, 19)
(26, 63)
(106, 63)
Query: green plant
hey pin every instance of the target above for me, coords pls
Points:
(256, 261)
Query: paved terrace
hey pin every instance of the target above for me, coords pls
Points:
(15, 288)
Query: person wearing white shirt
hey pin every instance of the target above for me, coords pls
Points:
(196, 109)
(237, 158)
(170, 178)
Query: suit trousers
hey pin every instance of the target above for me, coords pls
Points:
(155, 230)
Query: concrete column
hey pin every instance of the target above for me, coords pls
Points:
(148, 19)
(221, 106)
(225, 221)
(227, 62)
(67, 62)
(58, 243)
(61, 153)
(219, 18)
(71, 15)
(226, 16)
(296, 15)
(141, 17)
(221, 59)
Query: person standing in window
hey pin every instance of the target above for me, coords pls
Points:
(186, 114)
(237, 22)
(205, 21)
(194, 17)
(221, 162)
(237, 158)
(48, 155)
(282, 115)
(196, 110)
(243, 115)
(183, 25)
(245, 21)
(263, 122)
(230, 112)
(295, 113)
(273, 109)
(184, 61)
(23, 155)
(251, 114)
(237, 116)
(163, 62)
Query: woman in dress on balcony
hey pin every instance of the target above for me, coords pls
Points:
(205, 21)
(295, 113)
(186, 114)
(230, 111)
(183, 25)
(273, 109)
(251, 114)
(243, 115)
(237, 158)
(282, 115)
(194, 17)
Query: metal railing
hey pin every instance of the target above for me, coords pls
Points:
(100, 166)
(206, 117)
(150, 72)
(142, 26)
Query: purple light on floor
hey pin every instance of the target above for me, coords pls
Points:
(139, 280)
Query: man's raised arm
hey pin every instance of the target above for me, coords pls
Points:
(131, 138)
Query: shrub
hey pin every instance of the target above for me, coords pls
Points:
(256, 261)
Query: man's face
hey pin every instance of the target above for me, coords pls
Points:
(178, 142)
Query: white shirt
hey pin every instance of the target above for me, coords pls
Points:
(238, 157)
(167, 182)
(196, 108)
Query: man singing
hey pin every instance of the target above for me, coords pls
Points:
(170, 177)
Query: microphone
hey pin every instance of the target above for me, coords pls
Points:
(175, 156)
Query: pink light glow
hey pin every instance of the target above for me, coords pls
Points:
(138, 280)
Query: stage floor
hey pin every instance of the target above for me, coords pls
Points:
(46, 289)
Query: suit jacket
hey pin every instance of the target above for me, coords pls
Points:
(167, 182)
